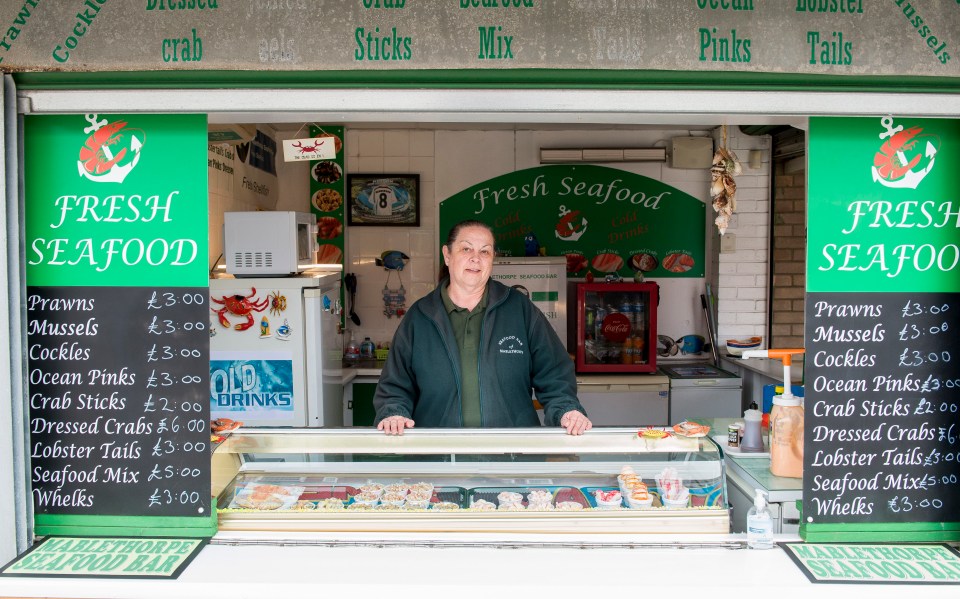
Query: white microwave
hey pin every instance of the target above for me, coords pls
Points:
(257, 244)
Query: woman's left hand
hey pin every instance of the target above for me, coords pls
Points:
(575, 422)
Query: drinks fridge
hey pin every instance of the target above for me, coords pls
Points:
(616, 327)
(272, 342)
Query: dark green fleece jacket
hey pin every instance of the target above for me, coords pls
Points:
(519, 352)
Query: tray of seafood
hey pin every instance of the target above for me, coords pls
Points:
(536, 498)
(262, 496)
(321, 492)
(406, 496)
(607, 498)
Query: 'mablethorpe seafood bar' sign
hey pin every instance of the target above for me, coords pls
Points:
(838, 37)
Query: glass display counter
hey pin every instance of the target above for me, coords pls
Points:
(610, 480)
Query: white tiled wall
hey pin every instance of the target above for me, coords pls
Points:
(743, 282)
(395, 151)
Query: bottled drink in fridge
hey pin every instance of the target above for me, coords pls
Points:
(638, 354)
(639, 317)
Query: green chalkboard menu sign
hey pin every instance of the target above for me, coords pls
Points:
(117, 319)
(882, 369)
(604, 220)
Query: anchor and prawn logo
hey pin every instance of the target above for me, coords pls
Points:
(571, 225)
(110, 152)
(896, 162)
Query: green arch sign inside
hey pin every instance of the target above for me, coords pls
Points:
(605, 220)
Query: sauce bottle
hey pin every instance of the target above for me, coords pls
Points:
(786, 437)
(786, 419)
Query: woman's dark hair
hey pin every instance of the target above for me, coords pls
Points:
(452, 236)
(455, 230)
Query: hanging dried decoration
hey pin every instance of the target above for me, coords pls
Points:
(723, 188)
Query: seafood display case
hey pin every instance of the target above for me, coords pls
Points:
(610, 480)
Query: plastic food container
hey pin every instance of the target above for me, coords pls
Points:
(506, 498)
(608, 500)
(638, 504)
(679, 502)
(372, 488)
(366, 499)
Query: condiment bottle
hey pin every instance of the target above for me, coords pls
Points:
(752, 441)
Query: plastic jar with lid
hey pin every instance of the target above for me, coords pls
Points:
(786, 437)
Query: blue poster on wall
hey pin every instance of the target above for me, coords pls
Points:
(257, 385)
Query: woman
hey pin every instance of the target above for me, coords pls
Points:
(469, 353)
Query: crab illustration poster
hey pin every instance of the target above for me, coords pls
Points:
(604, 220)
(884, 204)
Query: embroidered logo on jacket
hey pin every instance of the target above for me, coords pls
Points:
(510, 345)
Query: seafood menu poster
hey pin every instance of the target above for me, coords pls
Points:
(119, 413)
(117, 314)
(882, 368)
(603, 220)
(881, 409)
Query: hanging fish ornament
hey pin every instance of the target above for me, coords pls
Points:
(392, 260)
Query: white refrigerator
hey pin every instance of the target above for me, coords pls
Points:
(271, 341)
(541, 278)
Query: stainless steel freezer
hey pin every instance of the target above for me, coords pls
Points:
(700, 390)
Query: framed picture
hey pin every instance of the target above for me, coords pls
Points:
(383, 200)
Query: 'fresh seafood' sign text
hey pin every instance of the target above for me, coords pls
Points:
(604, 220)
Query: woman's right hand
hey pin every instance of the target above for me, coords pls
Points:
(394, 425)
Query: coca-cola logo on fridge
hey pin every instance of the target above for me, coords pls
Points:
(616, 327)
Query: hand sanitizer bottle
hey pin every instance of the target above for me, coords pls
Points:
(759, 524)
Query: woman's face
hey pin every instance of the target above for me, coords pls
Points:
(470, 260)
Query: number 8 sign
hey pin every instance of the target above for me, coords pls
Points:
(383, 200)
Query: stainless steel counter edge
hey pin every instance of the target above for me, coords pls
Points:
(582, 379)
(772, 369)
